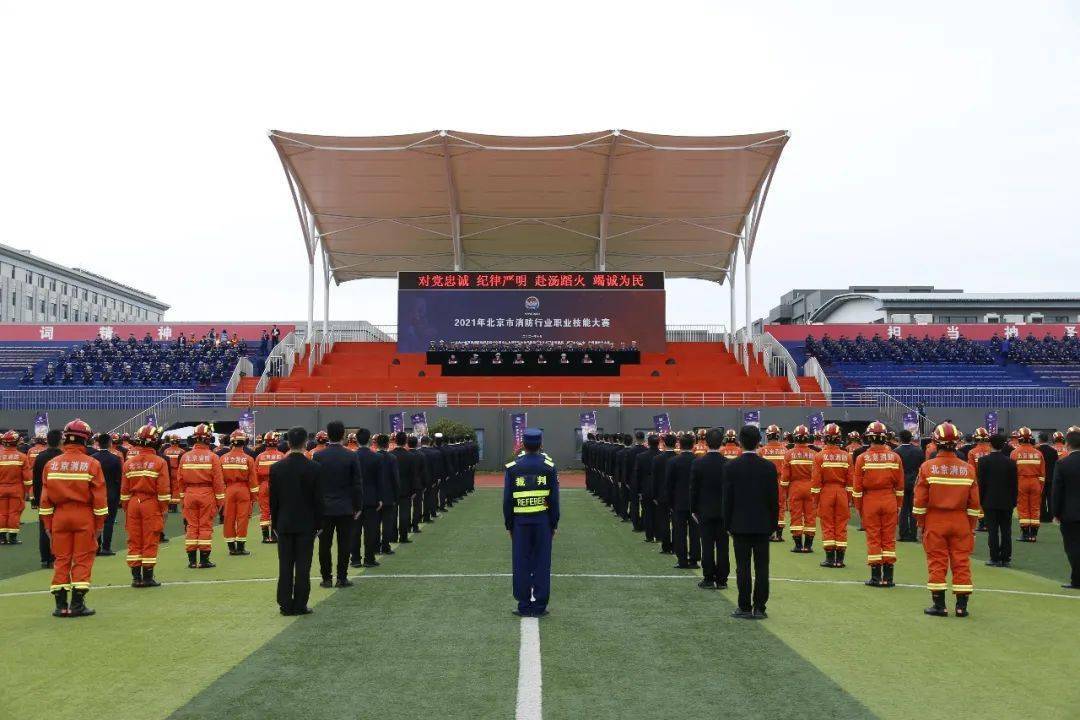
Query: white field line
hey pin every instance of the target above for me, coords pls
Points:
(530, 682)
(595, 576)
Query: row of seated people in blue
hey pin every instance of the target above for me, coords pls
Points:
(911, 350)
(183, 373)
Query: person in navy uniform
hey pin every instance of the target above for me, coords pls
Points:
(531, 513)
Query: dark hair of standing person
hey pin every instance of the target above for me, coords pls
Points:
(750, 437)
(297, 437)
(335, 431)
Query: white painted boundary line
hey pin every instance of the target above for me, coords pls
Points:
(595, 576)
(530, 672)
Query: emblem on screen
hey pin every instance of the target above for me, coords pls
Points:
(532, 303)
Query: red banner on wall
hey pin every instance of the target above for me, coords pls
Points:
(981, 331)
(164, 332)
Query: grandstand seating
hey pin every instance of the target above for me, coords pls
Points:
(370, 367)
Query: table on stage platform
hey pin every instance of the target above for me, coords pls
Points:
(530, 363)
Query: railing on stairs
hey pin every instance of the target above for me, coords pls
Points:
(813, 369)
(280, 361)
(163, 410)
(243, 369)
(775, 358)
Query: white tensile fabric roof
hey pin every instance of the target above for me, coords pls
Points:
(448, 200)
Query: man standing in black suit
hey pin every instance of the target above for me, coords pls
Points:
(911, 455)
(296, 508)
(643, 470)
(998, 488)
(706, 504)
(678, 499)
(410, 482)
(1050, 458)
(342, 501)
(661, 509)
(370, 522)
(751, 511)
(113, 469)
(1065, 495)
(435, 474)
(52, 440)
(390, 481)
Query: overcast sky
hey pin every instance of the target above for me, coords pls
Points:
(935, 143)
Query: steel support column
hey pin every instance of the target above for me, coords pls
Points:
(746, 329)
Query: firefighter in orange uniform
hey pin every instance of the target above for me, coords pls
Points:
(879, 492)
(351, 443)
(1059, 445)
(31, 455)
(854, 441)
(700, 448)
(14, 484)
(774, 451)
(946, 508)
(203, 493)
(731, 448)
(172, 454)
(241, 484)
(73, 510)
(321, 442)
(830, 488)
(145, 495)
(1031, 474)
(796, 480)
(263, 463)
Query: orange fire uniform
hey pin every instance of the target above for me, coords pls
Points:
(797, 479)
(830, 489)
(14, 484)
(929, 450)
(731, 451)
(1031, 474)
(879, 490)
(172, 455)
(203, 492)
(976, 452)
(73, 510)
(265, 460)
(241, 483)
(775, 452)
(145, 495)
(946, 508)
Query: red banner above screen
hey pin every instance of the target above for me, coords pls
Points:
(531, 307)
(163, 332)
(981, 331)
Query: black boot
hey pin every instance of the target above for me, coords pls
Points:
(830, 559)
(61, 603)
(875, 576)
(1034, 535)
(266, 534)
(938, 609)
(191, 561)
(148, 577)
(798, 544)
(961, 605)
(232, 547)
(204, 560)
(78, 604)
(887, 576)
(240, 549)
(136, 577)
(1025, 534)
(13, 539)
(3, 538)
(808, 544)
(840, 558)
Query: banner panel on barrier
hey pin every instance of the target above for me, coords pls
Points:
(980, 331)
(615, 308)
(161, 332)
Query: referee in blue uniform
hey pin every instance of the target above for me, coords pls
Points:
(531, 512)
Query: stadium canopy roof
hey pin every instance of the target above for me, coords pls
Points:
(611, 200)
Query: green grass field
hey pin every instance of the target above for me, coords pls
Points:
(430, 634)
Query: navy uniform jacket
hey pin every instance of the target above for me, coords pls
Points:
(531, 491)
(112, 469)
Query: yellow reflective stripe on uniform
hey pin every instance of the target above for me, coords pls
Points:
(531, 493)
(529, 509)
(963, 588)
(69, 476)
(549, 463)
(856, 494)
(219, 496)
(197, 466)
(45, 511)
(814, 491)
(881, 466)
(142, 473)
(936, 586)
(800, 462)
(101, 511)
(1018, 462)
(241, 466)
(836, 464)
(164, 498)
(124, 497)
(934, 480)
(7, 463)
(80, 585)
(899, 493)
(511, 464)
(974, 513)
(266, 462)
(918, 511)
(254, 489)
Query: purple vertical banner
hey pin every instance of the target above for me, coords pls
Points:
(151, 419)
(419, 423)
(752, 417)
(247, 423)
(662, 423)
(992, 422)
(518, 422)
(816, 422)
(41, 424)
(397, 422)
(588, 423)
(911, 422)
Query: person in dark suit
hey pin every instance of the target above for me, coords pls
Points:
(707, 505)
(436, 473)
(113, 470)
(633, 488)
(342, 494)
(296, 510)
(684, 528)
(911, 456)
(1065, 496)
(643, 469)
(751, 511)
(422, 481)
(1050, 458)
(52, 440)
(390, 480)
(370, 523)
(998, 488)
(410, 475)
(661, 509)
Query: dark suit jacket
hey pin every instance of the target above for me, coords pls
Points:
(677, 481)
(296, 503)
(410, 471)
(630, 469)
(659, 474)
(371, 477)
(113, 471)
(643, 470)
(912, 457)
(435, 468)
(342, 486)
(389, 479)
(997, 478)
(707, 486)
(1065, 492)
(751, 495)
(39, 468)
